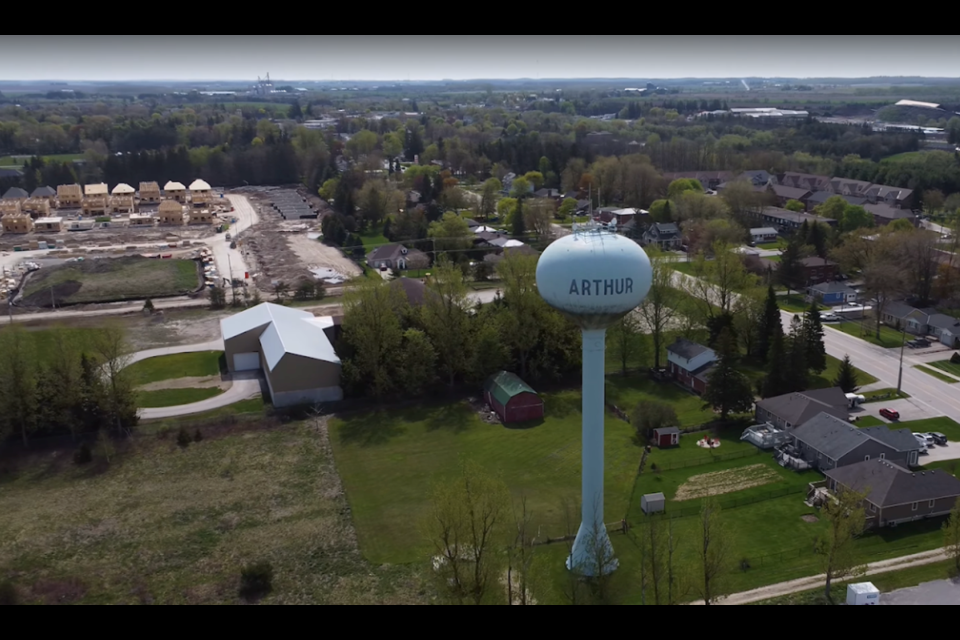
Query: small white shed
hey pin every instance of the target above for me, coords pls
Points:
(862, 594)
(653, 503)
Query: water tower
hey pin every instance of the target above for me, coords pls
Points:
(594, 277)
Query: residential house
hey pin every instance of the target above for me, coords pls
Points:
(15, 193)
(666, 235)
(808, 181)
(553, 194)
(69, 195)
(827, 442)
(833, 294)
(170, 212)
(507, 182)
(689, 363)
(50, 225)
(201, 216)
(945, 328)
(884, 214)
(16, 223)
(394, 256)
(44, 193)
(784, 194)
(175, 191)
(494, 257)
(9, 173)
(910, 319)
(709, 180)
(895, 495)
(201, 194)
(149, 192)
(785, 220)
(891, 196)
(763, 234)
(123, 199)
(819, 197)
(793, 409)
(847, 187)
(414, 290)
(96, 200)
(817, 269)
(759, 178)
(11, 206)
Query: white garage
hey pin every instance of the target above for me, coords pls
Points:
(246, 361)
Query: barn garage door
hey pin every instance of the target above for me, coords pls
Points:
(246, 361)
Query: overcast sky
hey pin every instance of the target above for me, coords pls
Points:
(471, 57)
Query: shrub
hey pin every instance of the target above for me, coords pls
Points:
(183, 438)
(197, 436)
(744, 565)
(148, 305)
(955, 358)
(256, 580)
(8, 595)
(83, 455)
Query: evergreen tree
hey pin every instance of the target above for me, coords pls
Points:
(775, 383)
(519, 228)
(790, 273)
(796, 362)
(846, 376)
(770, 325)
(803, 233)
(728, 390)
(817, 239)
(813, 336)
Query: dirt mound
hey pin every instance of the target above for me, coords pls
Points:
(45, 298)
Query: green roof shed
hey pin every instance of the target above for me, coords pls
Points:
(512, 398)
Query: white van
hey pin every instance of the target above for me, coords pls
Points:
(854, 399)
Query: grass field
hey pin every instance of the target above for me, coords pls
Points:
(108, 280)
(946, 365)
(884, 395)
(169, 526)
(772, 246)
(180, 365)
(889, 337)
(40, 342)
(944, 425)
(794, 303)
(869, 421)
(936, 374)
(829, 374)
(175, 397)
(373, 238)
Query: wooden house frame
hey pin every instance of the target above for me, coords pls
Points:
(149, 192)
(140, 220)
(175, 191)
(96, 200)
(122, 199)
(49, 225)
(69, 195)
(201, 216)
(201, 195)
(16, 223)
(170, 212)
(10, 208)
(37, 207)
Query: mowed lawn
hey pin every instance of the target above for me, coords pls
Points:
(169, 526)
(889, 337)
(113, 279)
(946, 365)
(180, 365)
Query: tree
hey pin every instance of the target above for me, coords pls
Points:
(791, 273)
(776, 382)
(662, 211)
(625, 340)
(748, 315)
(713, 548)
(567, 208)
(832, 208)
(520, 188)
(64, 371)
(716, 283)
(451, 233)
(794, 205)
(660, 306)
(417, 361)
(816, 353)
(919, 252)
(372, 331)
(855, 217)
(488, 197)
(846, 376)
(519, 224)
(539, 217)
(488, 352)
(446, 320)
(682, 185)
(649, 415)
(728, 390)
(18, 384)
(535, 178)
(771, 324)
(951, 536)
(520, 556)
(466, 519)
(113, 351)
(306, 290)
(797, 367)
(280, 291)
(933, 200)
(846, 518)
(817, 238)
(883, 281)
(218, 297)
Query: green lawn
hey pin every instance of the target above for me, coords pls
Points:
(174, 397)
(773, 258)
(373, 238)
(869, 421)
(829, 374)
(682, 267)
(936, 374)
(794, 303)
(889, 337)
(41, 340)
(180, 365)
(772, 246)
(946, 365)
(884, 395)
(944, 425)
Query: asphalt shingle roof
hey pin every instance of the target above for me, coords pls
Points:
(830, 435)
(890, 485)
(687, 348)
(797, 408)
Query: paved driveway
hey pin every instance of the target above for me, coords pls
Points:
(938, 593)
(908, 408)
(245, 385)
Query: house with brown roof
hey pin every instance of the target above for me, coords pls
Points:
(895, 495)
(784, 194)
(884, 214)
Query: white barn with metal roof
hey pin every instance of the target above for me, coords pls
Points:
(291, 347)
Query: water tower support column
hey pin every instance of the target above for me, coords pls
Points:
(592, 551)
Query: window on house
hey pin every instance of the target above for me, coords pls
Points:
(932, 504)
(914, 506)
(866, 458)
(883, 456)
(873, 508)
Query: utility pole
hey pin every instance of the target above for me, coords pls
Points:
(903, 340)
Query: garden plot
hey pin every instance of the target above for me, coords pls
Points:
(728, 481)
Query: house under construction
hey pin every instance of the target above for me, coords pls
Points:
(170, 212)
(149, 192)
(16, 223)
(201, 195)
(202, 216)
(122, 199)
(69, 195)
(11, 206)
(141, 220)
(37, 207)
(50, 225)
(96, 200)
(175, 191)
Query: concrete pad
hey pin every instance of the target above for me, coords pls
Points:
(908, 408)
(938, 593)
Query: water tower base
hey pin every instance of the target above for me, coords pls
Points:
(592, 553)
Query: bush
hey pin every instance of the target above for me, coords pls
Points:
(183, 438)
(744, 565)
(83, 455)
(8, 595)
(955, 358)
(197, 436)
(256, 580)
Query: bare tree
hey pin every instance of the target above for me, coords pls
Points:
(626, 342)
(446, 319)
(713, 546)
(918, 250)
(520, 558)
(884, 282)
(659, 308)
(113, 351)
(846, 519)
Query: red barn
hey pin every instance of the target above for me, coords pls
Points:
(511, 398)
(666, 437)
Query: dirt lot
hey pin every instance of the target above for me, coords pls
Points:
(721, 482)
(109, 280)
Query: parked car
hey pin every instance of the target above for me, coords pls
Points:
(928, 439)
(890, 414)
(922, 442)
(938, 438)
(829, 317)
(855, 398)
(918, 342)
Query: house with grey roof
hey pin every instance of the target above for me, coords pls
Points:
(786, 220)
(689, 363)
(44, 192)
(783, 194)
(900, 315)
(945, 328)
(15, 193)
(763, 234)
(897, 197)
(827, 442)
(833, 293)
(848, 187)
(758, 178)
(793, 409)
(808, 181)
(665, 235)
(895, 495)
(884, 214)
(395, 256)
(819, 197)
